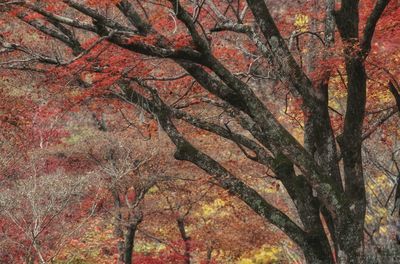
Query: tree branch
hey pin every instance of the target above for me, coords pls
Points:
(97, 16)
(186, 151)
(127, 9)
(62, 19)
(184, 16)
(395, 93)
(283, 59)
(371, 25)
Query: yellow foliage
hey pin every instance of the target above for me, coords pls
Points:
(210, 209)
(265, 255)
(219, 202)
(153, 189)
(149, 247)
(368, 219)
(88, 249)
(382, 212)
(301, 22)
(383, 230)
(245, 261)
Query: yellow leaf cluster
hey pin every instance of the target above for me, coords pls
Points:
(301, 22)
(265, 255)
(212, 208)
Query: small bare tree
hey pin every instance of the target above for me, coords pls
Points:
(127, 175)
(35, 207)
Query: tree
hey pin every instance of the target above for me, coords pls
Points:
(41, 198)
(120, 171)
(326, 184)
(34, 209)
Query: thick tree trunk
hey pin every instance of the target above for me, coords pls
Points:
(130, 237)
(350, 233)
(129, 243)
(318, 250)
(350, 239)
(350, 223)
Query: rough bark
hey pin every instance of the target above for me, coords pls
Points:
(350, 226)
(308, 208)
(130, 236)
(342, 204)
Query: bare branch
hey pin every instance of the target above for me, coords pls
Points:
(97, 16)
